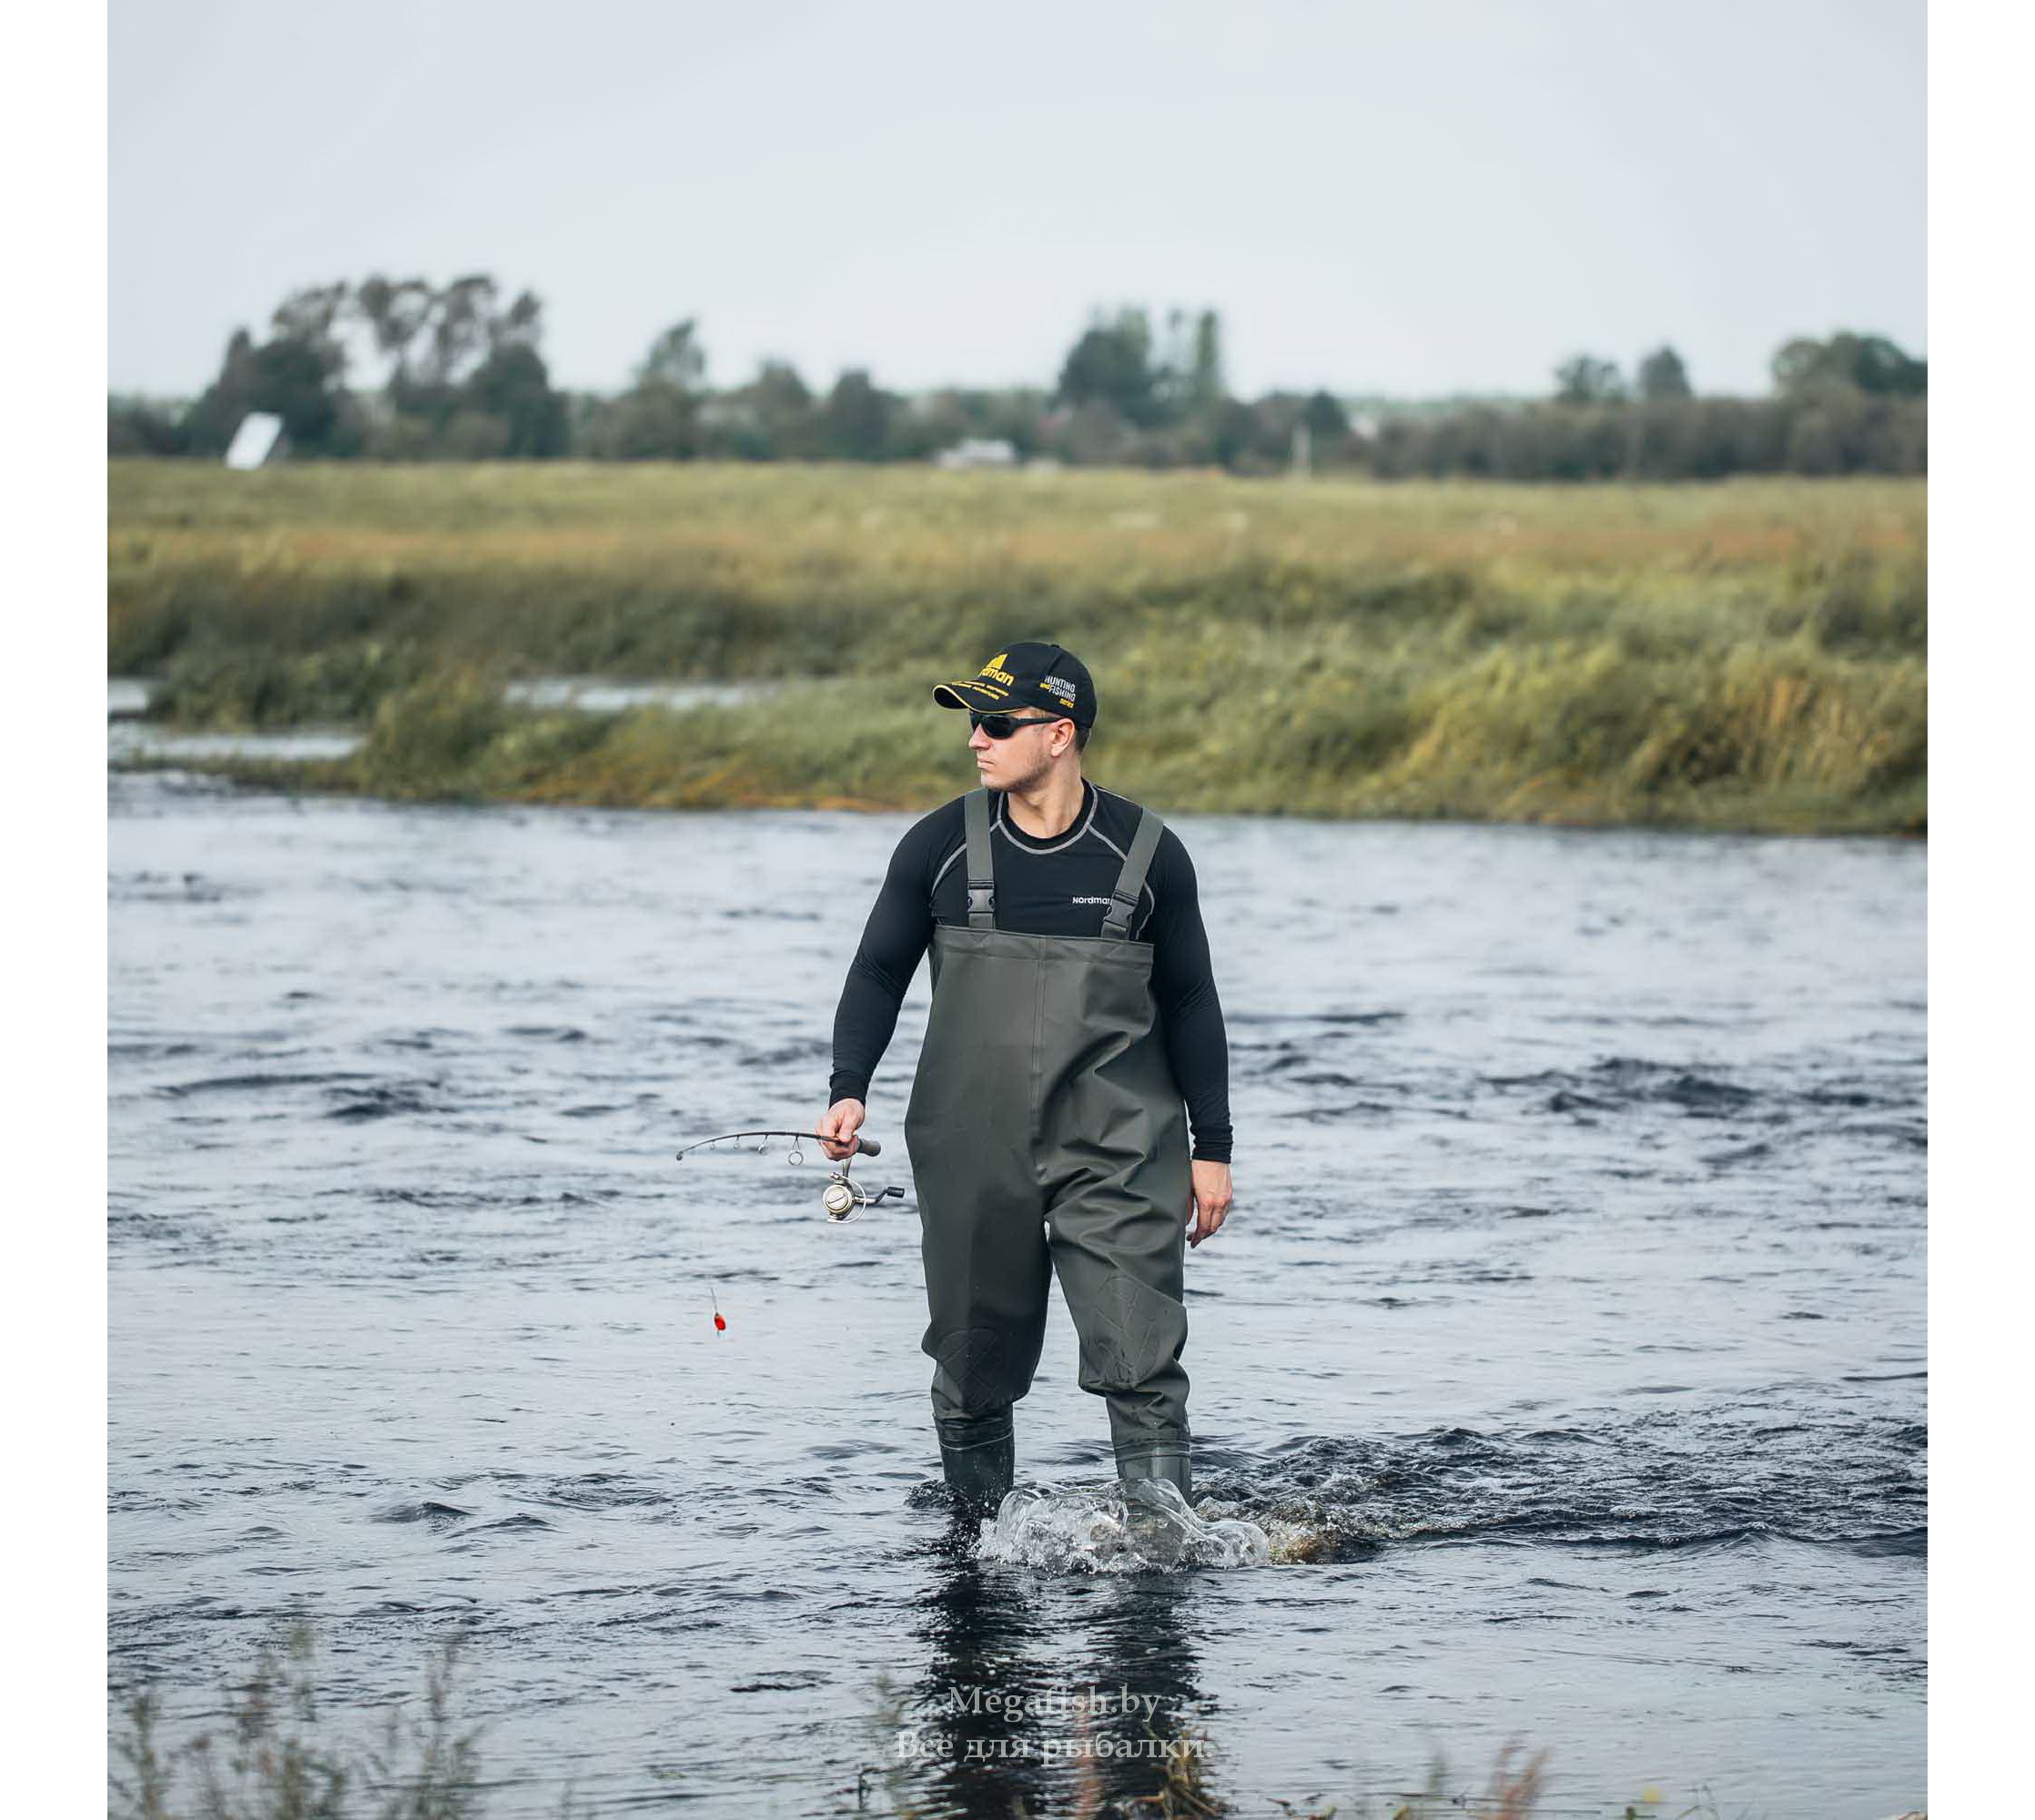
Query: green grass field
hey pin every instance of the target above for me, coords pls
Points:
(1749, 654)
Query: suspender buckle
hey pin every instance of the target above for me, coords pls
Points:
(982, 899)
(1115, 920)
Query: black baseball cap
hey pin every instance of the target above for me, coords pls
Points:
(1029, 675)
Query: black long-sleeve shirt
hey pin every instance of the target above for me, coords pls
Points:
(1051, 887)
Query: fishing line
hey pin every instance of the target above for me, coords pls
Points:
(841, 1199)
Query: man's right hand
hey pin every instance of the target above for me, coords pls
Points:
(836, 1131)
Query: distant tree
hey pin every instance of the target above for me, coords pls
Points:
(1662, 375)
(298, 375)
(1868, 363)
(1111, 365)
(922, 426)
(1013, 416)
(473, 436)
(1326, 420)
(1172, 371)
(311, 315)
(442, 344)
(675, 359)
(658, 418)
(1186, 377)
(395, 313)
(141, 425)
(462, 325)
(1206, 388)
(522, 325)
(1088, 435)
(1586, 380)
(855, 422)
(513, 387)
(222, 404)
(299, 380)
(1235, 428)
(783, 408)
(768, 420)
(646, 423)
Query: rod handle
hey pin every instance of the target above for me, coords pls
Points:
(868, 1147)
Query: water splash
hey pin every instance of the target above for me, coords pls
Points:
(1142, 1526)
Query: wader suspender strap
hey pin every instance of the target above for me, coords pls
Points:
(982, 883)
(1130, 881)
(1123, 900)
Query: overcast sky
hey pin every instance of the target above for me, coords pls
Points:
(1408, 198)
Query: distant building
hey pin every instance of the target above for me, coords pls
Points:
(259, 440)
(978, 452)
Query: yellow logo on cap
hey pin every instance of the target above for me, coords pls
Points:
(995, 668)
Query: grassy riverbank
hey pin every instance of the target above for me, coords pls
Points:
(1746, 656)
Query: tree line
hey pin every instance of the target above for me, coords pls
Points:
(398, 370)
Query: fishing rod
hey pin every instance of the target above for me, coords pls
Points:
(841, 1199)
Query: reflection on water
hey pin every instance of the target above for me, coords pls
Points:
(129, 740)
(1565, 1344)
(1060, 1705)
(597, 696)
(126, 696)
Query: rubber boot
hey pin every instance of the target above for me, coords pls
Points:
(978, 1455)
(1172, 1463)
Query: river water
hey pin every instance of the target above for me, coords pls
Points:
(1566, 1340)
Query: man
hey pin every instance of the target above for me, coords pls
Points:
(1073, 1011)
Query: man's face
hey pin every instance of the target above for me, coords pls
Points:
(1019, 763)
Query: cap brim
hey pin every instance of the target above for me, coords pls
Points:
(983, 695)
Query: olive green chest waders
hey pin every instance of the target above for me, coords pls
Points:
(1047, 1135)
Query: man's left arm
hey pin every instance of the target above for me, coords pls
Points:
(1190, 1015)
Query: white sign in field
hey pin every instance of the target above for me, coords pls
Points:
(256, 441)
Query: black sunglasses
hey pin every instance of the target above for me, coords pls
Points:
(1001, 726)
